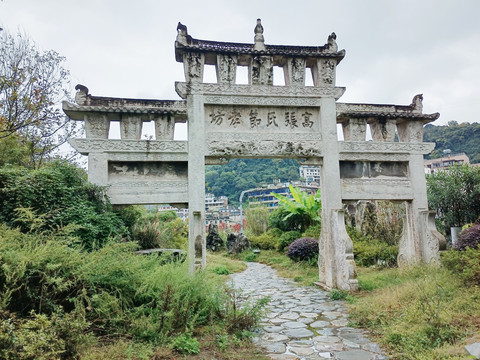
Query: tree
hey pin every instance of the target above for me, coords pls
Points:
(32, 85)
(455, 194)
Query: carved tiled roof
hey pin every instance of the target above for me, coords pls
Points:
(87, 103)
(388, 115)
(142, 107)
(242, 48)
(383, 111)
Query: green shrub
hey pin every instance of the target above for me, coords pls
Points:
(465, 263)
(287, 238)
(266, 241)
(221, 270)
(313, 231)
(186, 344)
(151, 232)
(249, 256)
(303, 249)
(369, 251)
(61, 195)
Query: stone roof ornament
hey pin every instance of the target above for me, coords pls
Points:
(332, 44)
(259, 39)
(182, 34)
(417, 103)
(81, 95)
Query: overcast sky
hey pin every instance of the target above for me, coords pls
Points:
(394, 49)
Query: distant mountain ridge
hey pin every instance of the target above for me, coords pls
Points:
(464, 137)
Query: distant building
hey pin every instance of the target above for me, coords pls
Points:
(434, 165)
(263, 196)
(212, 203)
(311, 174)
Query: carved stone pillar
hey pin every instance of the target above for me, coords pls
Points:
(335, 262)
(410, 131)
(261, 72)
(294, 72)
(196, 182)
(98, 168)
(164, 128)
(383, 129)
(97, 126)
(354, 129)
(131, 127)
(193, 67)
(226, 68)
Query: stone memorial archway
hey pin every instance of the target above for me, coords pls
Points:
(261, 120)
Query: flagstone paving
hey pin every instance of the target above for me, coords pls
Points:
(303, 322)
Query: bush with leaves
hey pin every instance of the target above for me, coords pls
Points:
(464, 263)
(60, 194)
(266, 241)
(369, 251)
(287, 238)
(469, 237)
(455, 194)
(161, 230)
(303, 249)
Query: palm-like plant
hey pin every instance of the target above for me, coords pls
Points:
(307, 207)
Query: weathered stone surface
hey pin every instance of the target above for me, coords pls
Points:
(319, 324)
(302, 351)
(294, 325)
(214, 241)
(237, 243)
(354, 355)
(298, 333)
(332, 347)
(275, 348)
(473, 349)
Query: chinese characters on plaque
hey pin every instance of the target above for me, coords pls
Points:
(258, 118)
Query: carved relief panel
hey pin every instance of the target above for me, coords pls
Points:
(226, 68)
(97, 126)
(131, 127)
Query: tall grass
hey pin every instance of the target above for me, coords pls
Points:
(104, 295)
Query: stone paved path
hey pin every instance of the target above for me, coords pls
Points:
(303, 322)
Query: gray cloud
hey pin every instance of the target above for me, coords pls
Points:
(395, 49)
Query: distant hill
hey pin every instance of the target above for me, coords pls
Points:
(464, 137)
(243, 174)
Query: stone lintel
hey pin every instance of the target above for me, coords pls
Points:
(223, 93)
(86, 146)
(379, 189)
(139, 193)
(384, 147)
(365, 156)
